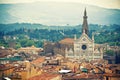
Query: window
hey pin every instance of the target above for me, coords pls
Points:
(84, 47)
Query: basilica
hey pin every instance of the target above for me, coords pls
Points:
(84, 47)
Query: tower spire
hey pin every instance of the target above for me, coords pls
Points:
(85, 13)
(85, 24)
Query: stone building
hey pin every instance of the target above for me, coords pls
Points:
(85, 47)
(32, 49)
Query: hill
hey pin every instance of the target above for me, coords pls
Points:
(53, 13)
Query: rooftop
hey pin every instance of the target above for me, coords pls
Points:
(39, 60)
(44, 76)
(67, 41)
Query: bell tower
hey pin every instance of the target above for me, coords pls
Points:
(85, 24)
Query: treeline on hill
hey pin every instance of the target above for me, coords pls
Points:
(23, 35)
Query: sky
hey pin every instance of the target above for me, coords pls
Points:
(115, 4)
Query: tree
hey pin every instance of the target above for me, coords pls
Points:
(110, 52)
(30, 43)
(18, 45)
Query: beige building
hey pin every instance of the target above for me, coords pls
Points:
(84, 47)
(31, 49)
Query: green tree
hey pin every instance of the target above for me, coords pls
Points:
(110, 52)
(18, 45)
(30, 43)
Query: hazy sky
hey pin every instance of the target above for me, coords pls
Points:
(101, 3)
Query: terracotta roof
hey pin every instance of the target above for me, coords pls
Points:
(5, 52)
(112, 75)
(67, 41)
(39, 60)
(44, 76)
(83, 76)
(6, 66)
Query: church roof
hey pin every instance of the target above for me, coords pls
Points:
(67, 41)
(84, 35)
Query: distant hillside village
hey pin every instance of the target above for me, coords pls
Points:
(71, 58)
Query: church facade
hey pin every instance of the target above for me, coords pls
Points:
(84, 47)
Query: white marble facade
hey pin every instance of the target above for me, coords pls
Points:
(84, 47)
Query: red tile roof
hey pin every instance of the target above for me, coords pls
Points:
(44, 76)
(83, 76)
(67, 41)
(39, 60)
(112, 75)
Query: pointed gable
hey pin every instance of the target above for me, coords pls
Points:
(84, 39)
